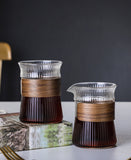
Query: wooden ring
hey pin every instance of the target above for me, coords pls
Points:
(40, 87)
(95, 112)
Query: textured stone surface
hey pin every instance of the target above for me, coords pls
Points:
(25, 136)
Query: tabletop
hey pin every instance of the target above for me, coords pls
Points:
(123, 131)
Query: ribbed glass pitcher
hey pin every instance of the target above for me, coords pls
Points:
(94, 121)
(40, 91)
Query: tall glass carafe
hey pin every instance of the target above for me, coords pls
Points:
(94, 121)
(40, 91)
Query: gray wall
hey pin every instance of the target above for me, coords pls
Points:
(92, 38)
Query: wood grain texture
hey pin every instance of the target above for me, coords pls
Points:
(40, 87)
(93, 112)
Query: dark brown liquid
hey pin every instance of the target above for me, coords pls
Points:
(41, 110)
(94, 134)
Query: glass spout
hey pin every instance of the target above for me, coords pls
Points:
(72, 88)
(93, 91)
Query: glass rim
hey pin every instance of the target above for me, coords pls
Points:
(106, 85)
(40, 62)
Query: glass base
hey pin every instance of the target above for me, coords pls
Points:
(94, 134)
(41, 110)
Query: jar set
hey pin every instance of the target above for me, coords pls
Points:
(94, 103)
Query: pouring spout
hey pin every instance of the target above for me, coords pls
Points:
(93, 91)
(71, 89)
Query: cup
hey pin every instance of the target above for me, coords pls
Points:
(40, 91)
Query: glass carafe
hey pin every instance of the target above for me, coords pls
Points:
(40, 91)
(94, 121)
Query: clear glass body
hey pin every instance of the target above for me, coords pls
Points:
(91, 133)
(41, 108)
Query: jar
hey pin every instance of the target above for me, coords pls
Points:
(95, 114)
(40, 91)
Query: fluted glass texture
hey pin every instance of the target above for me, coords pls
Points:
(88, 131)
(40, 91)
(40, 68)
(93, 91)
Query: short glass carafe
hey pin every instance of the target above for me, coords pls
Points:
(95, 114)
(40, 91)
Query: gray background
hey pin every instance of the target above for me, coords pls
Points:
(92, 38)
